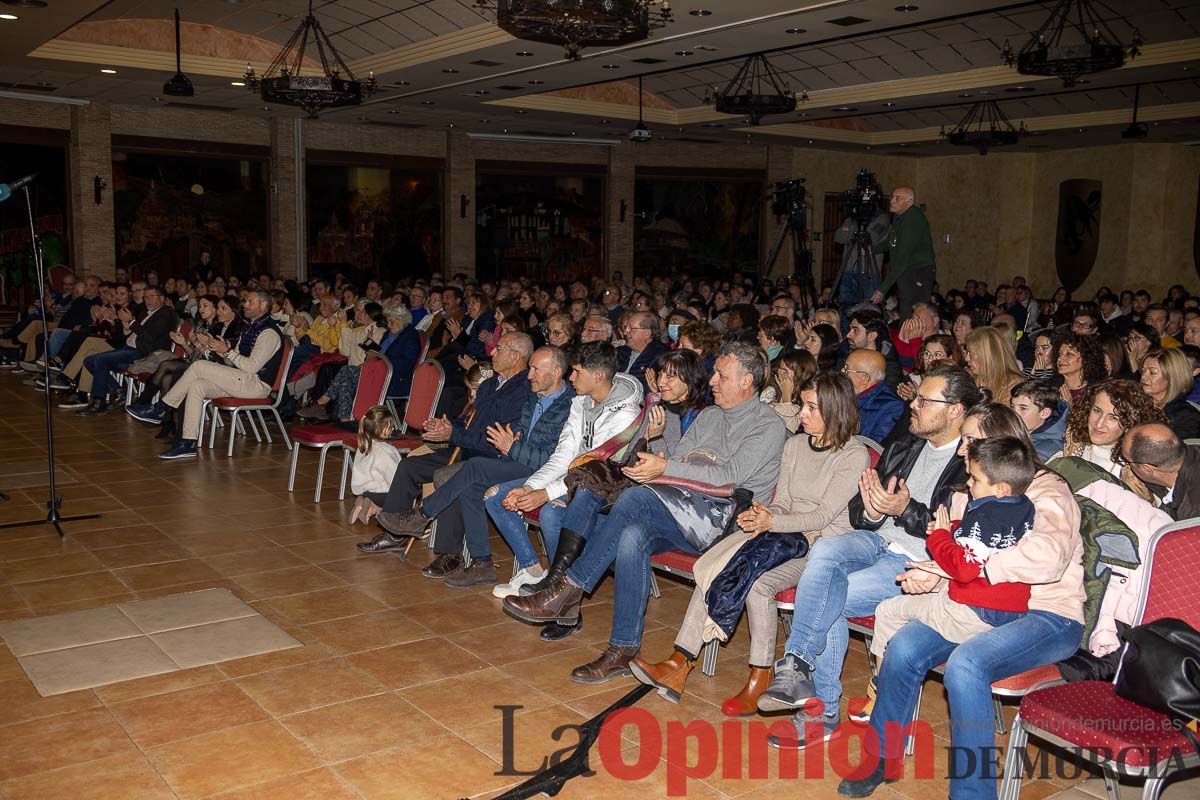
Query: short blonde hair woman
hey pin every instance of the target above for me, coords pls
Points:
(992, 363)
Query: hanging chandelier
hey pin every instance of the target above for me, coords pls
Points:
(1072, 42)
(283, 84)
(576, 24)
(983, 128)
(756, 91)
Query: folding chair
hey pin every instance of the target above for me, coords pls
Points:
(251, 406)
(390, 403)
(1118, 735)
(130, 378)
(373, 379)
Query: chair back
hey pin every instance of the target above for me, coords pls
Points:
(57, 273)
(373, 380)
(285, 363)
(185, 330)
(1170, 588)
(424, 339)
(428, 380)
(875, 446)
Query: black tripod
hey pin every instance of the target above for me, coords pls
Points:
(862, 263)
(794, 224)
(54, 502)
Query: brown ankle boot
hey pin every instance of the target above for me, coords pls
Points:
(612, 663)
(669, 676)
(745, 702)
(559, 602)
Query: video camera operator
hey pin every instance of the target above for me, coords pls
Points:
(862, 266)
(910, 249)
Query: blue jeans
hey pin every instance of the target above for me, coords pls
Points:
(465, 489)
(1036, 639)
(579, 515)
(58, 337)
(102, 366)
(638, 527)
(847, 575)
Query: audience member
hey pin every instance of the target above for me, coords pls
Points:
(1169, 467)
(879, 408)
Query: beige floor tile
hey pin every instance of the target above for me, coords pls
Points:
(358, 727)
(319, 784)
(60, 631)
(123, 777)
(77, 668)
(368, 631)
(429, 770)
(230, 759)
(321, 683)
(416, 662)
(158, 684)
(455, 702)
(186, 610)
(282, 582)
(155, 576)
(310, 607)
(20, 702)
(223, 641)
(163, 718)
(45, 744)
(58, 591)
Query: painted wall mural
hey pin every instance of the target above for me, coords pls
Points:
(1078, 239)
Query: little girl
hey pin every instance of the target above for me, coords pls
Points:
(375, 464)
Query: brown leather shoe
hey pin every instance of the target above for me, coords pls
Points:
(745, 702)
(559, 602)
(612, 663)
(669, 676)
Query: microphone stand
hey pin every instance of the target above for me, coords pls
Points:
(54, 502)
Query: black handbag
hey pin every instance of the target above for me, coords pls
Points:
(1160, 669)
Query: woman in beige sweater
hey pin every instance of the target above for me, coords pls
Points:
(818, 475)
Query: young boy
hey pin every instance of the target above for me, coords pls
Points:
(1000, 469)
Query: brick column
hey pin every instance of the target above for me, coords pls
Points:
(93, 238)
(458, 247)
(287, 258)
(618, 234)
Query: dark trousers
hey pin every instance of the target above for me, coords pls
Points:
(410, 476)
(915, 285)
(461, 500)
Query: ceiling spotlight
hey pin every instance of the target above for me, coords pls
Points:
(683, 52)
(906, 8)
(237, 83)
(604, 122)
(700, 12)
(522, 111)
(611, 66)
(109, 71)
(524, 53)
(450, 71)
(965, 95)
(403, 83)
(889, 104)
(426, 102)
(536, 82)
(795, 31)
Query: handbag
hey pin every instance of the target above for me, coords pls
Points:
(1160, 669)
(151, 362)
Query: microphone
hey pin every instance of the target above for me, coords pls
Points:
(7, 190)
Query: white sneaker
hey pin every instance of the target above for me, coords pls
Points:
(525, 577)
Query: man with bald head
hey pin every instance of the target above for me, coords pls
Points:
(1167, 466)
(879, 407)
(642, 346)
(910, 253)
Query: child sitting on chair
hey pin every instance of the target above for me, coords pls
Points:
(375, 463)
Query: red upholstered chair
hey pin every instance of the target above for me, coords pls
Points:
(131, 379)
(1088, 716)
(373, 379)
(249, 406)
(391, 401)
(56, 274)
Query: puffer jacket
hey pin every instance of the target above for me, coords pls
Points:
(588, 424)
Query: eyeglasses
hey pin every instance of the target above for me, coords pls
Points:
(847, 370)
(1119, 458)
(920, 401)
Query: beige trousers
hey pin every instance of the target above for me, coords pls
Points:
(28, 337)
(954, 621)
(90, 347)
(205, 380)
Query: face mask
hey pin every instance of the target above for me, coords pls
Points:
(773, 351)
(673, 333)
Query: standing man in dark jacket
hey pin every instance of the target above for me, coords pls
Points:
(910, 253)
(1169, 468)
(849, 575)
(499, 402)
(523, 449)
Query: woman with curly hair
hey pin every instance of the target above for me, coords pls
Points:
(992, 362)
(1098, 422)
(823, 342)
(1080, 364)
(1167, 379)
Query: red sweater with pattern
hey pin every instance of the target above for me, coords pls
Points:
(968, 584)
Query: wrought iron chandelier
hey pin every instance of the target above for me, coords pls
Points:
(283, 84)
(1072, 42)
(756, 91)
(576, 24)
(983, 128)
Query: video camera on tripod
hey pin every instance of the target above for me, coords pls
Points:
(864, 202)
(787, 199)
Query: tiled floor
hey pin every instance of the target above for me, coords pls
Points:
(393, 694)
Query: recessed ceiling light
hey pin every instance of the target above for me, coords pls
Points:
(449, 124)
(485, 121)
(266, 108)
(426, 102)
(403, 83)
(522, 111)
(393, 111)
(450, 71)
(700, 12)
(8, 16)
(603, 122)
(889, 104)
(683, 52)
(237, 83)
(524, 53)
(482, 92)
(965, 94)
(536, 82)
(109, 71)
(844, 108)
(572, 133)
(611, 66)
(795, 31)
(906, 8)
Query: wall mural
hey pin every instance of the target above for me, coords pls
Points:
(1078, 237)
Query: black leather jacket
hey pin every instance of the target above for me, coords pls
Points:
(898, 460)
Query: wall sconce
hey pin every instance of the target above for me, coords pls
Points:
(624, 206)
(99, 185)
(463, 202)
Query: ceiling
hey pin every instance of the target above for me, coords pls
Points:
(876, 75)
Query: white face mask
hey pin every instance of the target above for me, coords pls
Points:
(673, 333)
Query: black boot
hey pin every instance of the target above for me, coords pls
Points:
(146, 398)
(570, 545)
(168, 431)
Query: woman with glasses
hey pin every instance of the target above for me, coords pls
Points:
(1079, 361)
(935, 350)
(1167, 379)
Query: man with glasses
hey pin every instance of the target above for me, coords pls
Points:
(1084, 323)
(642, 346)
(849, 575)
(879, 407)
(147, 333)
(910, 253)
(596, 329)
(784, 306)
(1168, 467)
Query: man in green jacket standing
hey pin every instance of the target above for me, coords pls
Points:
(910, 249)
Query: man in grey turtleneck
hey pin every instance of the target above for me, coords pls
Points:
(738, 441)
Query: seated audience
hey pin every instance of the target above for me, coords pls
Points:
(642, 346)
(1167, 379)
(1044, 412)
(991, 362)
(1099, 421)
(792, 370)
(1169, 467)
(824, 343)
(879, 407)
(935, 351)
(1079, 361)
(868, 332)
(146, 334)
